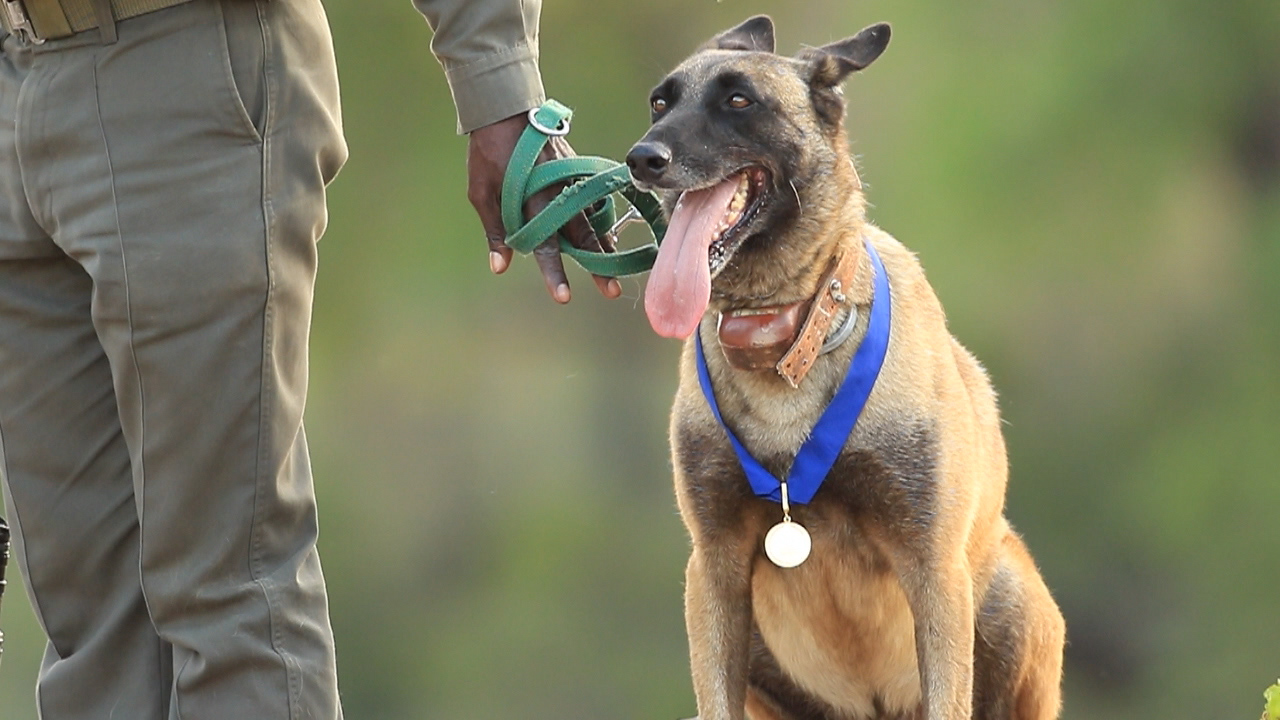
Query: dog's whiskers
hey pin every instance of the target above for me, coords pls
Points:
(799, 204)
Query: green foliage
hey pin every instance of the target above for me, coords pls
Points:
(1272, 695)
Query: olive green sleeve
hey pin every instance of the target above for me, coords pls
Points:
(489, 51)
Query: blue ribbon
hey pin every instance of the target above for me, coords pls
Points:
(819, 452)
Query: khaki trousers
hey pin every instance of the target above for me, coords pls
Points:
(160, 202)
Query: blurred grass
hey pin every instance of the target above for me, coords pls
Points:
(1094, 190)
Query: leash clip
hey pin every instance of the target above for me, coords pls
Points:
(632, 215)
(560, 131)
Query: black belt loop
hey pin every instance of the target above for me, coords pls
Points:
(106, 21)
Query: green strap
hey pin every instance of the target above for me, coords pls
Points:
(591, 185)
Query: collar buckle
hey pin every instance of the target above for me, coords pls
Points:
(814, 338)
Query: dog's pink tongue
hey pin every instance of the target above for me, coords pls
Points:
(679, 286)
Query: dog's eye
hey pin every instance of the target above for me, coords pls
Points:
(738, 101)
(658, 105)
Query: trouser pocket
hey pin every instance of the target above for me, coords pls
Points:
(245, 47)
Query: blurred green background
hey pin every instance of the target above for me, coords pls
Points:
(1094, 189)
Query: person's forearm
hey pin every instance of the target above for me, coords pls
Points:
(489, 51)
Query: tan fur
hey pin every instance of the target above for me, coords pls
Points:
(918, 600)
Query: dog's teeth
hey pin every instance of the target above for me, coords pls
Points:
(733, 214)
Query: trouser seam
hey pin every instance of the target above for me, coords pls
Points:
(139, 469)
(266, 392)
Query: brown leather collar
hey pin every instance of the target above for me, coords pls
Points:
(772, 337)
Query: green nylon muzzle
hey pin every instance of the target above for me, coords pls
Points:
(591, 184)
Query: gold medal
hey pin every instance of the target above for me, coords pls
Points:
(787, 544)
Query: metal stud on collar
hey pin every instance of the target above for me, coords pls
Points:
(837, 291)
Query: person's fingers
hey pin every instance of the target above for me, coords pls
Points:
(485, 199)
(548, 257)
(557, 147)
(609, 287)
(499, 255)
(548, 253)
(579, 231)
(488, 151)
(580, 235)
(608, 243)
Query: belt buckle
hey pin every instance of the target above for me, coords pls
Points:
(16, 14)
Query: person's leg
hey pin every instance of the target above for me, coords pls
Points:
(70, 501)
(196, 216)
(64, 465)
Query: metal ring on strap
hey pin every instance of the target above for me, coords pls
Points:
(591, 183)
(560, 131)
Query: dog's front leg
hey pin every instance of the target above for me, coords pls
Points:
(718, 619)
(941, 598)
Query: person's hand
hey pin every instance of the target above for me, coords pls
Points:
(487, 156)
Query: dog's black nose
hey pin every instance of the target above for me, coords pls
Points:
(648, 161)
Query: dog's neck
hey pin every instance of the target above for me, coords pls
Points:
(812, 310)
(789, 338)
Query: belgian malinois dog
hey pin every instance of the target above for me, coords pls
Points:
(906, 594)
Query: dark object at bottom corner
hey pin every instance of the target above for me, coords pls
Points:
(4, 560)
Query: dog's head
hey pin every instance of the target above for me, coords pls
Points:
(748, 150)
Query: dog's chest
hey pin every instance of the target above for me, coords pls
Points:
(841, 628)
(774, 426)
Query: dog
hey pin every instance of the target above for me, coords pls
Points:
(913, 598)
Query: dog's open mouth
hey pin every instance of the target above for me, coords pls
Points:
(742, 209)
(706, 228)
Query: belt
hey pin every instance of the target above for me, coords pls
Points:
(41, 20)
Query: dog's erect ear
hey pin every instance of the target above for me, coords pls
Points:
(754, 34)
(830, 64)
